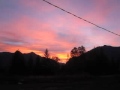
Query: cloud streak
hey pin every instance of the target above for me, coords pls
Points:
(34, 25)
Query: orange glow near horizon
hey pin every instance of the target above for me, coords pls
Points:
(63, 56)
(33, 26)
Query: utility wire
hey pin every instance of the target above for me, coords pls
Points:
(81, 18)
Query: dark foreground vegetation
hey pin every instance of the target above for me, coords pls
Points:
(69, 82)
(95, 69)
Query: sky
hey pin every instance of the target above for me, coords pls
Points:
(34, 25)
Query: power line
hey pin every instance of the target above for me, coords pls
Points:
(81, 18)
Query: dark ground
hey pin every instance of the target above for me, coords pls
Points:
(74, 82)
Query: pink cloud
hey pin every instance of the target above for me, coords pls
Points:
(34, 33)
(55, 29)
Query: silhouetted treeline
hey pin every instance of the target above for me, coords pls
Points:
(98, 61)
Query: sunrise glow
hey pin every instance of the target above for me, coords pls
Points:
(33, 25)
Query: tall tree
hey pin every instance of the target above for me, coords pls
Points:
(46, 54)
(81, 50)
(75, 52)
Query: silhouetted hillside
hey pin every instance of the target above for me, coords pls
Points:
(100, 60)
(27, 64)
